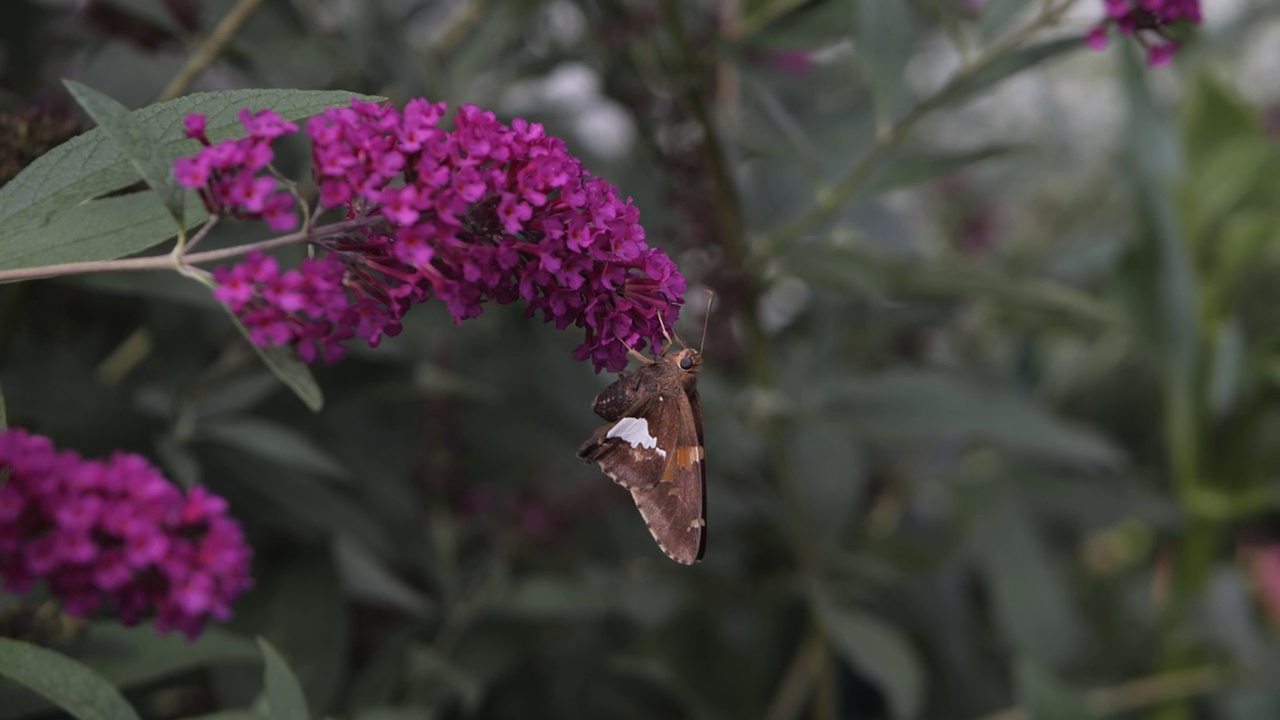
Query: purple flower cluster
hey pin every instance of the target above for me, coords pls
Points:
(116, 532)
(229, 176)
(308, 308)
(1133, 17)
(482, 212)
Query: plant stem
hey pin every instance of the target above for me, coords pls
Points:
(759, 351)
(209, 49)
(1144, 692)
(169, 262)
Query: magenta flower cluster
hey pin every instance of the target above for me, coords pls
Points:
(481, 212)
(1143, 19)
(230, 176)
(115, 534)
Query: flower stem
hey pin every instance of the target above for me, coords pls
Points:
(167, 261)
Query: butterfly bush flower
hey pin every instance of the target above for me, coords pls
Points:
(229, 175)
(477, 213)
(1143, 18)
(116, 534)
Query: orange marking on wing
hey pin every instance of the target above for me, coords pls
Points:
(688, 455)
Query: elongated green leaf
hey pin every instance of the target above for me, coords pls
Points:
(883, 41)
(4, 414)
(1032, 605)
(127, 657)
(547, 597)
(1047, 698)
(230, 715)
(284, 694)
(163, 285)
(99, 230)
(375, 685)
(1008, 65)
(910, 169)
(135, 142)
(152, 11)
(132, 656)
(67, 683)
(833, 475)
(301, 502)
(880, 652)
(1154, 161)
(996, 15)
(914, 406)
(283, 364)
(1211, 113)
(89, 165)
(273, 441)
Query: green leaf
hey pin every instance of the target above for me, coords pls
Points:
(833, 474)
(883, 42)
(1223, 180)
(795, 23)
(165, 285)
(1211, 114)
(127, 657)
(67, 683)
(300, 502)
(904, 406)
(291, 371)
(89, 165)
(275, 442)
(302, 609)
(230, 715)
(545, 598)
(4, 414)
(1154, 162)
(1047, 698)
(879, 651)
(996, 15)
(284, 694)
(1227, 368)
(1032, 606)
(135, 142)
(399, 713)
(910, 169)
(1007, 66)
(99, 230)
(376, 684)
(152, 11)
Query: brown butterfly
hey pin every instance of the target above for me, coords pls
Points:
(652, 446)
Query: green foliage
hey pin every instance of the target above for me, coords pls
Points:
(990, 390)
(70, 685)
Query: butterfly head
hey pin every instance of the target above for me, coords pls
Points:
(686, 359)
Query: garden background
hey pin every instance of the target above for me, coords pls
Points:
(991, 374)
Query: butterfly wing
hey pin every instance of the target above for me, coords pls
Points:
(634, 450)
(674, 508)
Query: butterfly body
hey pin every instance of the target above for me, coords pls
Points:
(652, 445)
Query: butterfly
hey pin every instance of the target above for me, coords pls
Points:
(652, 445)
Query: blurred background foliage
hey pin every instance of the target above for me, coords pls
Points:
(990, 398)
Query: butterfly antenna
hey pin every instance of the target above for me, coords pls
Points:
(706, 321)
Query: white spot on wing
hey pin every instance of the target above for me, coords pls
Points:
(636, 432)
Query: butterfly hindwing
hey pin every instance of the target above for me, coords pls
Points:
(633, 450)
